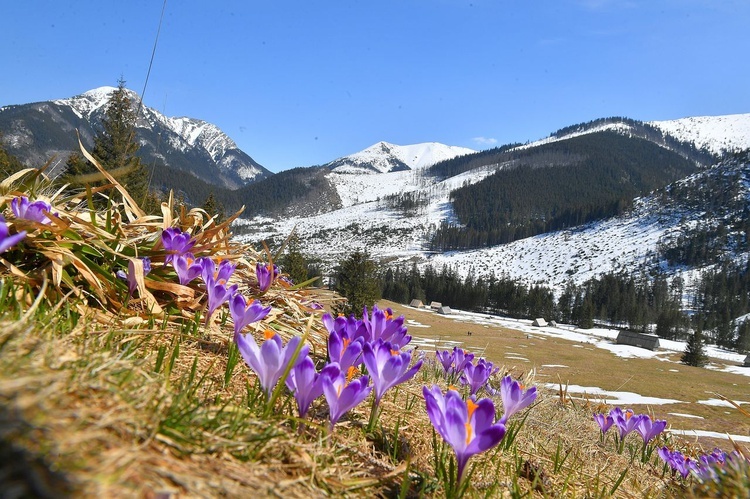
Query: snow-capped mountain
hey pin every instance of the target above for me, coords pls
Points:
(385, 158)
(35, 132)
(718, 134)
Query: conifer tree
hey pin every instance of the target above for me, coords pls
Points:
(357, 281)
(694, 354)
(115, 147)
(293, 261)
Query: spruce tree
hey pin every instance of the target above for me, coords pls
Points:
(115, 148)
(293, 261)
(356, 280)
(694, 354)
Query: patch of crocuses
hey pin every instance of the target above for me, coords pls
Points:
(626, 422)
(705, 467)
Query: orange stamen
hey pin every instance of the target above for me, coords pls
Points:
(269, 333)
(452, 387)
(628, 414)
(394, 352)
(471, 406)
(350, 374)
(249, 303)
(388, 315)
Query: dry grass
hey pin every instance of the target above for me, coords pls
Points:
(104, 396)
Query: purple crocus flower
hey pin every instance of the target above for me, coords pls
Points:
(446, 358)
(216, 278)
(469, 427)
(343, 350)
(342, 392)
(477, 376)
(246, 312)
(649, 428)
(382, 325)
(23, 208)
(514, 397)
(306, 384)
(676, 460)
(347, 327)
(387, 366)
(6, 240)
(626, 421)
(604, 421)
(266, 274)
(270, 360)
(460, 359)
(176, 243)
(187, 267)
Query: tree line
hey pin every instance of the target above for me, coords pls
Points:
(640, 303)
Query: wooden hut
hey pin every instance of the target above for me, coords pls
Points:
(416, 303)
(444, 310)
(647, 341)
(539, 322)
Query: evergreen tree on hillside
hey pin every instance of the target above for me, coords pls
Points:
(9, 164)
(694, 354)
(115, 147)
(293, 262)
(357, 281)
(214, 207)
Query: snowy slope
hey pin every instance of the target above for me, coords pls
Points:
(368, 175)
(718, 134)
(384, 157)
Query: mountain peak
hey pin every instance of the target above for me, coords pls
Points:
(385, 157)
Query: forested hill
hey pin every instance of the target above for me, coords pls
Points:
(560, 184)
(513, 153)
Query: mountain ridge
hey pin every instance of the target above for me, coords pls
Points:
(35, 132)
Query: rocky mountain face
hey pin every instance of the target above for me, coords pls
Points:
(36, 132)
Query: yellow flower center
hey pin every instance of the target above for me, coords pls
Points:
(350, 374)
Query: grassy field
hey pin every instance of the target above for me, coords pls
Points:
(595, 367)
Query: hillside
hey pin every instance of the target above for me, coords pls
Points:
(396, 215)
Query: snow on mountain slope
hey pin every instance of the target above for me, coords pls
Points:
(367, 175)
(622, 128)
(87, 103)
(384, 157)
(718, 134)
(187, 133)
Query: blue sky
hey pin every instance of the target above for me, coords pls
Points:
(304, 82)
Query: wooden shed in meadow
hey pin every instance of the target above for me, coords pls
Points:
(416, 303)
(647, 341)
(539, 322)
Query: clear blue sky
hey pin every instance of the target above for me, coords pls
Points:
(304, 82)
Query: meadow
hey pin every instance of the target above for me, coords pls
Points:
(123, 374)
